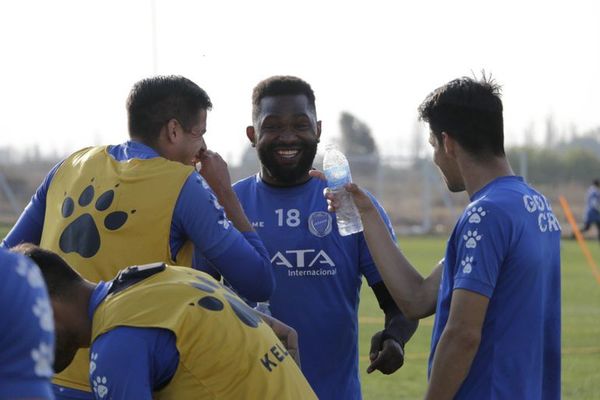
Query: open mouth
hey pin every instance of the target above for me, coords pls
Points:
(287, 154)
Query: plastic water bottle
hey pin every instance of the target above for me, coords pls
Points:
(337, 171)
(263, 307)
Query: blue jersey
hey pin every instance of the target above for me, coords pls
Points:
(506, 246)
(318, 275)
(27, 334)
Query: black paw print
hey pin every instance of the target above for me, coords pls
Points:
(81, 235)
(241, 309)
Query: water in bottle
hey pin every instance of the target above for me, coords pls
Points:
(337, 171)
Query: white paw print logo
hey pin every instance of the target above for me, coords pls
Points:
(472, 238)
(93, 359)
(216, 204)
(42, 310)
(466, 263)
(225, 222)
(43, 357)
(204, 184)
(99, 386)
(475, 214)
(22, 267)
(33, 275)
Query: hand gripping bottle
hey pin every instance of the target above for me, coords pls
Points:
(337, 171)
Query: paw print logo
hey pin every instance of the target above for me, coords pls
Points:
(202, 181)
(93, 359)
(43, 357)
(467, 265)
(225, 222)
(472, 238)
(223, 218)
(81, 235)
(42, 310)
(99, 386)
(212, 303)
(32, 273)
(475, 214)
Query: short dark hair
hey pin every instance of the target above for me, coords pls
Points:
(152, 102)
(596, 182)
(280, 85)
(60, 278)
(469, 111)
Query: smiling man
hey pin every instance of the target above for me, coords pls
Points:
(142, 201)
(318, 271)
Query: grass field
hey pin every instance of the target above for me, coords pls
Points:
(580, 328)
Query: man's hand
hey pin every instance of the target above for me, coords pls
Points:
(386, 354)
(285, 333)
(214, 170)
(361, 200)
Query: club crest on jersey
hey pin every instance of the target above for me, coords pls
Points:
(320, 223)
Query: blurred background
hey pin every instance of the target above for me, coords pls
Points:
(67, 67)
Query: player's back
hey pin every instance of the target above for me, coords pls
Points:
(519, 354)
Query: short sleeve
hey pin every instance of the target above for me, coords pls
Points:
(481, 241)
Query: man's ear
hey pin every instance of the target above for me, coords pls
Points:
(449, 145)
(318, 131)
(251, 135)
(173, 130)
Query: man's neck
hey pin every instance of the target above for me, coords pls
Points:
(83, 322)
(271, 181)
(477, 174)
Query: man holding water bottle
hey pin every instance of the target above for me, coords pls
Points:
(318, 271)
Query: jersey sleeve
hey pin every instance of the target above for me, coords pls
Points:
(132, 363)
(28, 227)
(27, 336)
(367, 265)
(240, 257)
(482, 240)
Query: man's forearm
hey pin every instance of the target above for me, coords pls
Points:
(234, 211)
(453, 358)
(397, 326)
(415, 295)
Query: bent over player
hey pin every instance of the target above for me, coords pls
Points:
(166, 332)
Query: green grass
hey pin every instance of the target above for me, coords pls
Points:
(3, 231)
(580, 328)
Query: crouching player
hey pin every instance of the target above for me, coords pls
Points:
(167, 332)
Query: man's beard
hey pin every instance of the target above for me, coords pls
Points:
(288, 174)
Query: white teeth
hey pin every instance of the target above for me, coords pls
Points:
(287, 153)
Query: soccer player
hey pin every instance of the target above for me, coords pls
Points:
(318, 271)
(142, 201)
(592, 207)
(27, 334)
(168, 332)
(496, 294)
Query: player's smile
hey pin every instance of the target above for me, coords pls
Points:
(287, 155)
